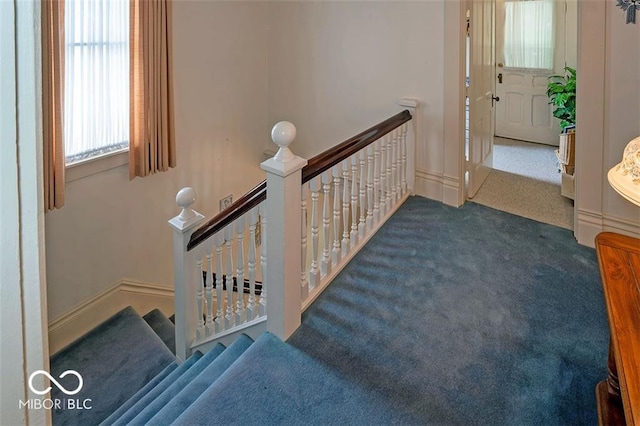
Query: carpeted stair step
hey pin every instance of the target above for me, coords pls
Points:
(137, 402)
(165, 413)
(125, 417)
(141, 393)
(115, 360)
(275, 383)
(163, 327)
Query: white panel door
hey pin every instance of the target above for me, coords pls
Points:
(481, 80)
(523, 111)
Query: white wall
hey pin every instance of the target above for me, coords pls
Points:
(337, 68)
(111, 228)
(608, 117)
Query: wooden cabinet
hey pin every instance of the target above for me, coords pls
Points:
(619, 395)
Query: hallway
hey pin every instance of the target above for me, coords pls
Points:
(525, 181)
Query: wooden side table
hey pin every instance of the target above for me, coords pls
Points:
(619, 395)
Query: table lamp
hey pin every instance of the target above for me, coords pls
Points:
(625, 176)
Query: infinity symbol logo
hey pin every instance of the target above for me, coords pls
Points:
(62, 388)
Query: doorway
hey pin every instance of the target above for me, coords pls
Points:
(524, 178)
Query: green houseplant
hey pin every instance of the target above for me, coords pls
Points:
(561, 91)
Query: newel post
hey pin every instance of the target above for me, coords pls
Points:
(184, 272)
(284, 176)
(410, 139)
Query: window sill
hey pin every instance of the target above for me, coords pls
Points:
(94, 165)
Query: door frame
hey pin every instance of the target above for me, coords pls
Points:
(590, 114)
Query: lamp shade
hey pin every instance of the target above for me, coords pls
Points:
(625, 176)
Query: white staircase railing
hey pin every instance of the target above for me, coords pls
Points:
(319, 213)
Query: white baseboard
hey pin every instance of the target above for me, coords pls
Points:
(429, 184)
(143, 297)
(591, 224)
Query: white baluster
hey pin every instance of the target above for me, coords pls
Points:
(376, 181)
(251, 302)
(403, 173)
(240, 314)
(389, 185)
(399, 164)
(304, 283)
(353, 236)
(263, 259)
(370, 187)
(314, 273)
(410, 142)
(228, 279)
(335, 254)
(209, 328)
(394, 166)
(219, 243)
(383, 176)
(345, 207)
(362, 184)
(325, 266)
(199, 298)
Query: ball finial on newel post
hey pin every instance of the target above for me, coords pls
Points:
(282, 134)
(184, 199)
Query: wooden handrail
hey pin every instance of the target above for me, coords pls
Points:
(316, 165)
(241, 206)
(329, 158)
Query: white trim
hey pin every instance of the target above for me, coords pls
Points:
(82, 169)
(620, 225)
(452, 191)
(592, 223)
(429, 184)
(143, 297)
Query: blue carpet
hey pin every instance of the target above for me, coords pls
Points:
(157, 390)
(466, 316)
(163, 327)
(122, 344)
(140, 394)
(168, 406)
(274, 383)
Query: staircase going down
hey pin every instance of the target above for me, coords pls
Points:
(130, 377)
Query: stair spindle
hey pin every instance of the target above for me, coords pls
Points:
(209, 327)
(362, 225)
(219, 242)
(251, 302)
(389, 182)
(405, 126)
(199, 293)
(304, 284)
(394, 167)
(325, 266)
(353, 235)
(228, 279)
(345, 208)
(263, 260)
(369, 219)
(383, 175)
(336, 254)
(240, 314)
(376, 181)
(314, 273)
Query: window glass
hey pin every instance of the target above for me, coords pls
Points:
(529, 34)
(96, 98)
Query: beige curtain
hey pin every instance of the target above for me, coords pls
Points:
(151, 137)
(52, 102)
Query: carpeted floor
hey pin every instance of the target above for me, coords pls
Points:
(467, 316)
(525, 181)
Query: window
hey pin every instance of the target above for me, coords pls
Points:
(96, 97)
(529, 34)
